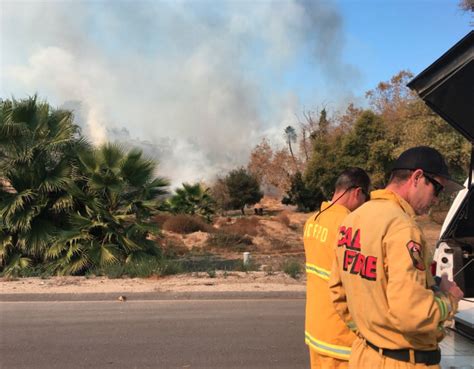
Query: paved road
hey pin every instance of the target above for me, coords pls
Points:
(231, 333)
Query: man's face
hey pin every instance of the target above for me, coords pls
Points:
(424, 191)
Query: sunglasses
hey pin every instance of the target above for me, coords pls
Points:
(438, 187)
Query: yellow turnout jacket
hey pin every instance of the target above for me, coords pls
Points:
(325, 332)
(381, 278)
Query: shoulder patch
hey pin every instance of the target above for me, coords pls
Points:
(415, 251)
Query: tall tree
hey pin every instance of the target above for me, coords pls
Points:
(367, 146)
(220, 194)
(409, 122)
(273, 169)
(467, 5)
(299, 194)
(244, 189)
(290, 136)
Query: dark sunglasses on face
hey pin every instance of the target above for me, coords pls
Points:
(438, 187)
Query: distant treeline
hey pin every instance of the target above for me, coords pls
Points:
(319, 147)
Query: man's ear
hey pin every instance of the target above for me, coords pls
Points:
(417, 174)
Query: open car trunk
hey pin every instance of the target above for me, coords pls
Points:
(447, 87)
(458, 234)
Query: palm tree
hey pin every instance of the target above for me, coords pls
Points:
(193, 199)
(37, 145)
(290, 135)
(117, 192)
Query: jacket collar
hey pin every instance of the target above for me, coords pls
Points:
(336, 206)
(393, 196)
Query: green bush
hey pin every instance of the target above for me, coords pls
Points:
(292, 268)
(193, 200)
(211, 273)
(140, 269)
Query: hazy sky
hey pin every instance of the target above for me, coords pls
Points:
(199, 83)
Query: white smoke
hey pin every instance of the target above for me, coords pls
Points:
(203, 80)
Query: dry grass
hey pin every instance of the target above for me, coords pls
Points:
(283, 219)
(160, 219)
(282, 244)
(243, 226)
(174, 248)
(185, 224)
(229, 241)
(438, 216)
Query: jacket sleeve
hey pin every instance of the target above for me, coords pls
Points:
(338, 296)
(413, 307)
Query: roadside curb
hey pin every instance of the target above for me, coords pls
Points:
(150, 296)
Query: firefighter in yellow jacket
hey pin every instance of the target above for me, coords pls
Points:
(327, 336)
(381, 281)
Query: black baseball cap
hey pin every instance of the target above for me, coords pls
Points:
(430, 161)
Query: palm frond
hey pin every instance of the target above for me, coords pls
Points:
(15, 264)
(20, 221)
(65, 239)
(58, 178)
(111, 155)
(140, 229)
(6, 246)
(105, 254)
(63, 203)
(128, 243)
(72, 265)
(36, 240)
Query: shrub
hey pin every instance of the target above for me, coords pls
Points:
(268, 269)
(39, 270)
(174, 248)
(292, 268)
(243, 226)
(184, 224)
(282, 244)
(251, 266)
(170, 267)
(160, 219)
(141, 269)
(234, 241)
(193, 200)
(283, 219)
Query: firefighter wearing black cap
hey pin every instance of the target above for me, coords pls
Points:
(381, 279)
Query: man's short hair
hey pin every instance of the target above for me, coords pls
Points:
(353, 177)
(400, 175)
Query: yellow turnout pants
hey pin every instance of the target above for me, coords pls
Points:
(319, 361)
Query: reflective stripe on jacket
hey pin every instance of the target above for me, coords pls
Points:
(382, 277)
(325, 332)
